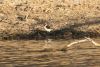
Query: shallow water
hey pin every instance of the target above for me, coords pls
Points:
(27, 53)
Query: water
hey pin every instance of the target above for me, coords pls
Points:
(27, 53)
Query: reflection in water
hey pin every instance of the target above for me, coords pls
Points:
(29, 53)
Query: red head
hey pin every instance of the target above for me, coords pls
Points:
(44, 24)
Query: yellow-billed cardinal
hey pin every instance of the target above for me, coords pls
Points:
(47, 28)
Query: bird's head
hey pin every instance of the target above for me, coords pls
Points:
(44, 24)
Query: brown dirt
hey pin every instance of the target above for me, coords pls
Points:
(29, 53)
(19, 16)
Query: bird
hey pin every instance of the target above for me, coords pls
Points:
(47, 28)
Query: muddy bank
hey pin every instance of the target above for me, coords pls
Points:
(81, 30)
(19, 18)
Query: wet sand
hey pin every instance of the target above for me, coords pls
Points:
(27, 53)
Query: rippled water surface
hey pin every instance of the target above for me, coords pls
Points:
(27, 53)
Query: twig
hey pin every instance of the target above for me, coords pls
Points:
(87, 39)
(96, 44)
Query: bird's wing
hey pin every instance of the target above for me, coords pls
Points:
(48, 27)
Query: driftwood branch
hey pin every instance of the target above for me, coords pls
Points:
(87, 39)
(79, 41)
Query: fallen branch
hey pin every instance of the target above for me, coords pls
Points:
(96, 44)
(87, 39)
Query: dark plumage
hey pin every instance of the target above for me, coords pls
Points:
(48, 27)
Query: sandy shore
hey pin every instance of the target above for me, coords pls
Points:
(19, 16)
